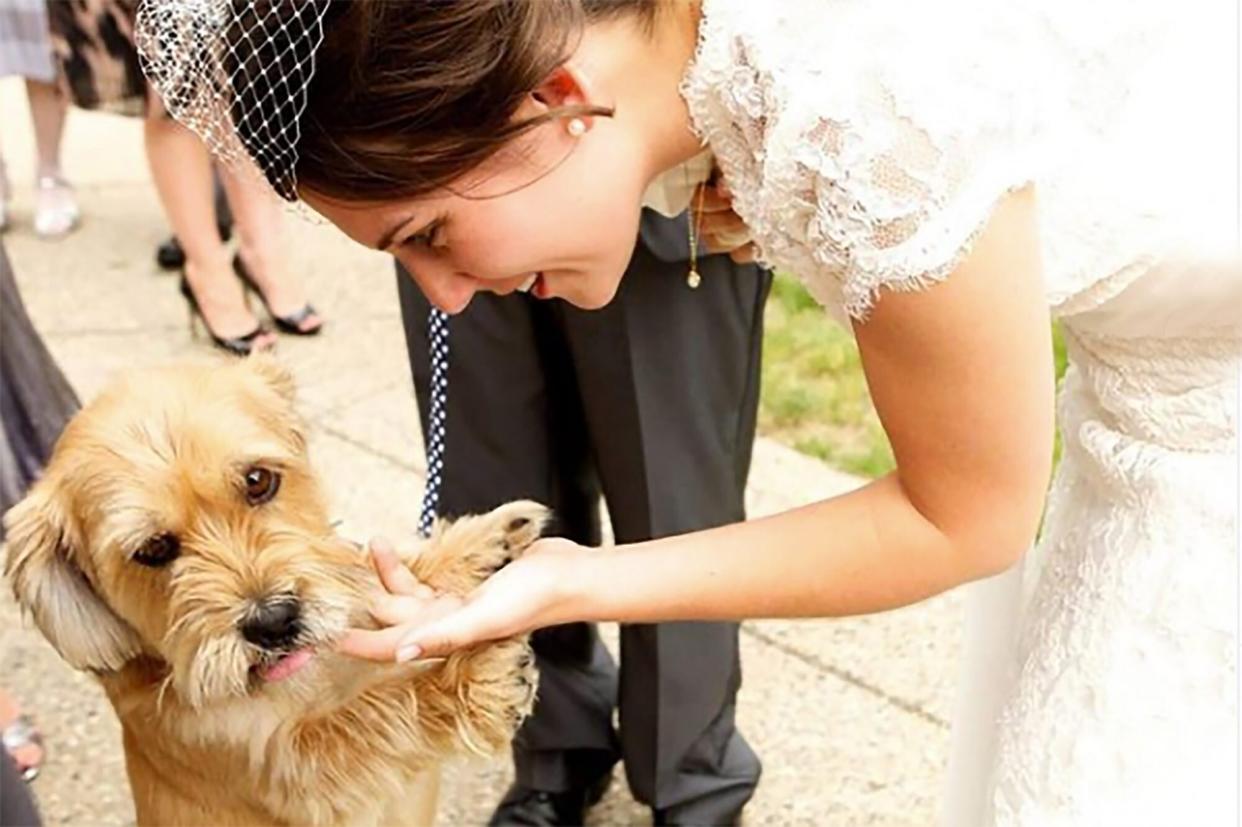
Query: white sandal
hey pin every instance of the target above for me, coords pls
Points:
(62, 215)
(21, 732)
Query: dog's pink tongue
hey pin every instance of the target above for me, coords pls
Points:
(286, 666)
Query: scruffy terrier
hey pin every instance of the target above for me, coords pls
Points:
(179, 548)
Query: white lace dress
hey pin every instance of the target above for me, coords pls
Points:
(865, 144)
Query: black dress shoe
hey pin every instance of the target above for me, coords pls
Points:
(536, 808)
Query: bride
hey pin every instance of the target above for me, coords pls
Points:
(943, 176)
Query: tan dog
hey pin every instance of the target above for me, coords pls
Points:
(178, 547)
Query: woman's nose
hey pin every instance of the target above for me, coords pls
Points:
(444, 287)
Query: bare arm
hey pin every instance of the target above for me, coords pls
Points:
(961, 375)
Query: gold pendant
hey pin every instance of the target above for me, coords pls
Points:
(694, 279)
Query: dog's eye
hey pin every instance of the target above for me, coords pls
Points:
(159, 550)
(261, 485)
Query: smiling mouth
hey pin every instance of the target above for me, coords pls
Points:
(539, 286)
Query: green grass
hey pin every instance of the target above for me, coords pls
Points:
(814, 397)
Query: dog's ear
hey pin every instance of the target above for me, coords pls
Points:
(53, 589)
(268, 368)
(274, 375)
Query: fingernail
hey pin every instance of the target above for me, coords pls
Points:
(408, 652)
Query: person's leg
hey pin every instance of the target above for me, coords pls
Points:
(257, 216)
(47, 113)
(181, 170)
(17, 807)
(56, 209)
(514, 431)
(670, 385)
(168, 253)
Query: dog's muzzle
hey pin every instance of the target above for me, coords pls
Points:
(273, 624)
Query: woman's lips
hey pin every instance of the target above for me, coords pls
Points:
(539, 289)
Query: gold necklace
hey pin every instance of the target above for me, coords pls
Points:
(693, 279)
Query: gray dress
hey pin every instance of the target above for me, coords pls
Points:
(35, 398)
(25, 45)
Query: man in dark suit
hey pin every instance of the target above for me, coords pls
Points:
(651, 401)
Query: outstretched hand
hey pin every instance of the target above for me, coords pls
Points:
(418, 622)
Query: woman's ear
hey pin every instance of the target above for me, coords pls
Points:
(566, 85)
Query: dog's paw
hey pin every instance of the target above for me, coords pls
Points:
(514, 526)
(528, 684)
(463, 552)
(524, 682)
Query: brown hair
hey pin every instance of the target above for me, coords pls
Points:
(408, 96)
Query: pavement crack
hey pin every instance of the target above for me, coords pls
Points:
(845, 675)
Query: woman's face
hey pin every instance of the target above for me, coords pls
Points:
(555, 211)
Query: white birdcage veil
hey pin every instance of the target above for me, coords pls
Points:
(236, 72)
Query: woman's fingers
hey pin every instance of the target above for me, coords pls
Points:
(464, 627)
(727, 238)
(721, 229)
(724, 225)
(726, 242)
(708, 200)
(393, 609)
(402, 616)
(745, 255)
(499, 607)
(393, 573)
(377, 645)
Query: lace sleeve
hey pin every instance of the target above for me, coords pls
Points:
(878, 136)
(903, 167)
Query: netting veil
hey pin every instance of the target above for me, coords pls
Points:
(236, 72)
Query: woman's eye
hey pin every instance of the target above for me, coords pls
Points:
(428, 237)
(261, 485)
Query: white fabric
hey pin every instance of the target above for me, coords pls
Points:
(866, 144)
(670, 193)
(236, 74)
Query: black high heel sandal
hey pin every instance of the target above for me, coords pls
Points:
(291, 324)
(236, 345)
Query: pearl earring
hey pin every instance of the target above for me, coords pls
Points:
(576, 127)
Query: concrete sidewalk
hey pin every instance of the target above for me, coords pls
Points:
(850, 717)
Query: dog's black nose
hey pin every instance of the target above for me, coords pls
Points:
(273, 624)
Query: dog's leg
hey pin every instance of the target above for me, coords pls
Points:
(485, 692)
(417, 807)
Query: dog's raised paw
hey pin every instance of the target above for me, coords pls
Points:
(465, 551)
(518, 524)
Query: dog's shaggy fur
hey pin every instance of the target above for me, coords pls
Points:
(178, 507)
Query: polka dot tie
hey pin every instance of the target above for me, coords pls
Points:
(438, 346)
